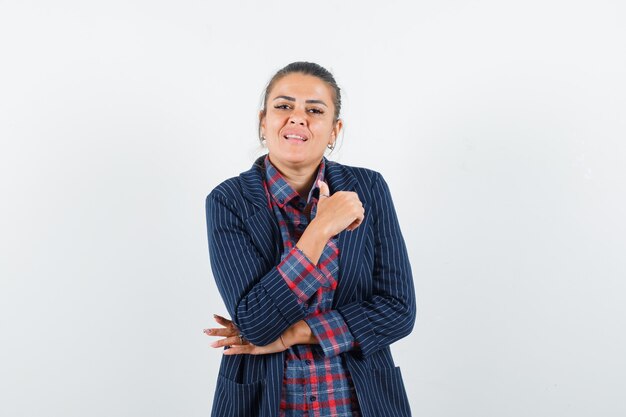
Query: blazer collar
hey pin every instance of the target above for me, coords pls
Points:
(338, 178)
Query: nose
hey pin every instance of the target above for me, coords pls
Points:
(297, 118)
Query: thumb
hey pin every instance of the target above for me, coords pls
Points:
(323, 188)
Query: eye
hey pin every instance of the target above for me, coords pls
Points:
(316, 111)
(281, 106)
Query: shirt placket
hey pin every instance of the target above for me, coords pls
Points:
(305, 353)
(311, 394)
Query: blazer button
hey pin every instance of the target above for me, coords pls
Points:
(308, 362)
(312, 398)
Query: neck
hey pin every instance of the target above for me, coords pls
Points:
(300, 178)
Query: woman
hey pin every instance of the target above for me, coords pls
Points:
(310, 262)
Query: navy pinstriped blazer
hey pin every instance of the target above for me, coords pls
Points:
(375, 292)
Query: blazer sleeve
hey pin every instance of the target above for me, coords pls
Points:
(259, 301)
(389, 314)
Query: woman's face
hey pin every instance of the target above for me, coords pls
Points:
(298, 123)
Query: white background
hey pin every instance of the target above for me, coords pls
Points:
(499, 126)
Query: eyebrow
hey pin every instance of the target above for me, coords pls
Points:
(306, 101)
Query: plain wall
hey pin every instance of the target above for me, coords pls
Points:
(500, 127)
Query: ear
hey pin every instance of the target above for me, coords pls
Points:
(262, 120)
(336, 129)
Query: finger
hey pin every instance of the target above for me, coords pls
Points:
(356, 223)
(224, 321)
(223, 331)
(239, 349)
(221, 319)
(227, 341)
(324, 191)
(353, 226)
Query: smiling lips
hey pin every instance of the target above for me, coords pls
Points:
(296, 136)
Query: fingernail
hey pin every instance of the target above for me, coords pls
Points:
(214, 344)
(208, 331)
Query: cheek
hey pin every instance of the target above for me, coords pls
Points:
(275, 124)
(323, 129)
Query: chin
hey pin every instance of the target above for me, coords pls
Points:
(295, 159)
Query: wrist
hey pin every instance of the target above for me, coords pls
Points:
(282, 340)
(313, 241)
(289, 337)
(299, 333)
(320, 230)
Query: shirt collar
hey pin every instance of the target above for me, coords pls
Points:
(281, 191)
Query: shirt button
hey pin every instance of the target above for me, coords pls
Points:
(301, 226)
(312, 398)
(281, 201)
(308, 362)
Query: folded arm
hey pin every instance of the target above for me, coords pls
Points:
(264, 304)
(305, 279)
(257, 298)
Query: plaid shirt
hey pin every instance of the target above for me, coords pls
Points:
(316, 382)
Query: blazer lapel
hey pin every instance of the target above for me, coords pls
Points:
(261, 223)
(350, 243)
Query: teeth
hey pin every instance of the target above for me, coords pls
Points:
(294, 137)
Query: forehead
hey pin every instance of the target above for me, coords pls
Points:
(301, 86)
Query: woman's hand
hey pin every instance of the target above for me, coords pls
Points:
(341, 211)
(229, 331)
(238, 345)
